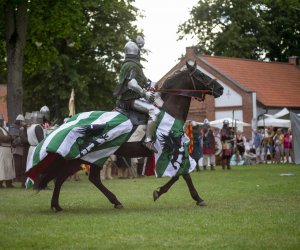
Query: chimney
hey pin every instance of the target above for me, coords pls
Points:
(294, 60)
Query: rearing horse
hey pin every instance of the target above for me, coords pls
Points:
(176, 93)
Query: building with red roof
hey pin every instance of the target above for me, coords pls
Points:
(251, 88)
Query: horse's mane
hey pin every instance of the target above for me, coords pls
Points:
(173, 80)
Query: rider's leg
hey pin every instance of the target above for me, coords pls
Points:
(153, 113)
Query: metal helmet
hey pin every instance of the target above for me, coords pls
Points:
(131, 48)
(36, 117)
(226, 122)
(21, 118)
(45, 111)
(140, 41)
(28, 118)
(206, 121)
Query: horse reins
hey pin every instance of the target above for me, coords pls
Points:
(189, 92)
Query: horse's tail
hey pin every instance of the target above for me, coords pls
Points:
(59, 170)
(49, 173)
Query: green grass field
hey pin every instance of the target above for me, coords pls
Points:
(249, 207)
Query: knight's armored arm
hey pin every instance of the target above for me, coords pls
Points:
(133, 85)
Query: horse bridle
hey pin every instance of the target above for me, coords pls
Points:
(190, 92)
(192, 76)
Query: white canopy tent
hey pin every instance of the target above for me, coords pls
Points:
(232, 123)
(282, 114)
(274, 122)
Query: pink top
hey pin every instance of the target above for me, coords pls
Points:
(287, 141)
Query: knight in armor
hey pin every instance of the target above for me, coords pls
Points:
(132, 93)
(227, 138)
(209, 146)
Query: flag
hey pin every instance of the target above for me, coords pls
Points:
(189, 133)
(172, 143)
(72, 103)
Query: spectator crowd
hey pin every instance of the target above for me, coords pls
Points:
(229, 146)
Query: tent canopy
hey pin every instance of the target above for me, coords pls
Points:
(282, 114)
(232, 123)
(274, 122)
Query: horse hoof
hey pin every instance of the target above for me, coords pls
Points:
(201, 203)
(119, 206)
(56, 208)
(155, 195)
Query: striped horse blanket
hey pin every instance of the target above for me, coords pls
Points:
(94, 136)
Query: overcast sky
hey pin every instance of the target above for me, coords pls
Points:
(160, 24)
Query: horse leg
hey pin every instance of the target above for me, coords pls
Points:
(163, 189)
(70, 168)
(193, 191)
(94, 177)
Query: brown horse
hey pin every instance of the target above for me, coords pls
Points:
(177, 92)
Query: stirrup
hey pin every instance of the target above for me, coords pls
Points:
(150, 146)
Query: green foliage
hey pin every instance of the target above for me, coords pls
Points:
(72, 44)
(259, 29)
(249, 207)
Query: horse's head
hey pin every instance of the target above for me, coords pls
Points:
(203, 82)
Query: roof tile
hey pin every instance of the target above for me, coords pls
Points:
(276, 84)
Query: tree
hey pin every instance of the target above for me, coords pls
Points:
(87, 62)
(15, 35)
(255, 29)
(71, 44)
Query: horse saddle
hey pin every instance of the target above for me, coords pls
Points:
(136, 118)
(139, 121)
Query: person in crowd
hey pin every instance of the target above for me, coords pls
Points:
(257, 143)
(105, 173)
(249, 155)
(278, 145)
(236, 159)
(240, 143)
(268, 144)
(197, 147)
(209, 146)
(287, 145)
(133, 91)
(227, 139)
(141, 166)
(7, 169)
(123, 167)
(35, 134)
(18, 132)
(47, 126)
